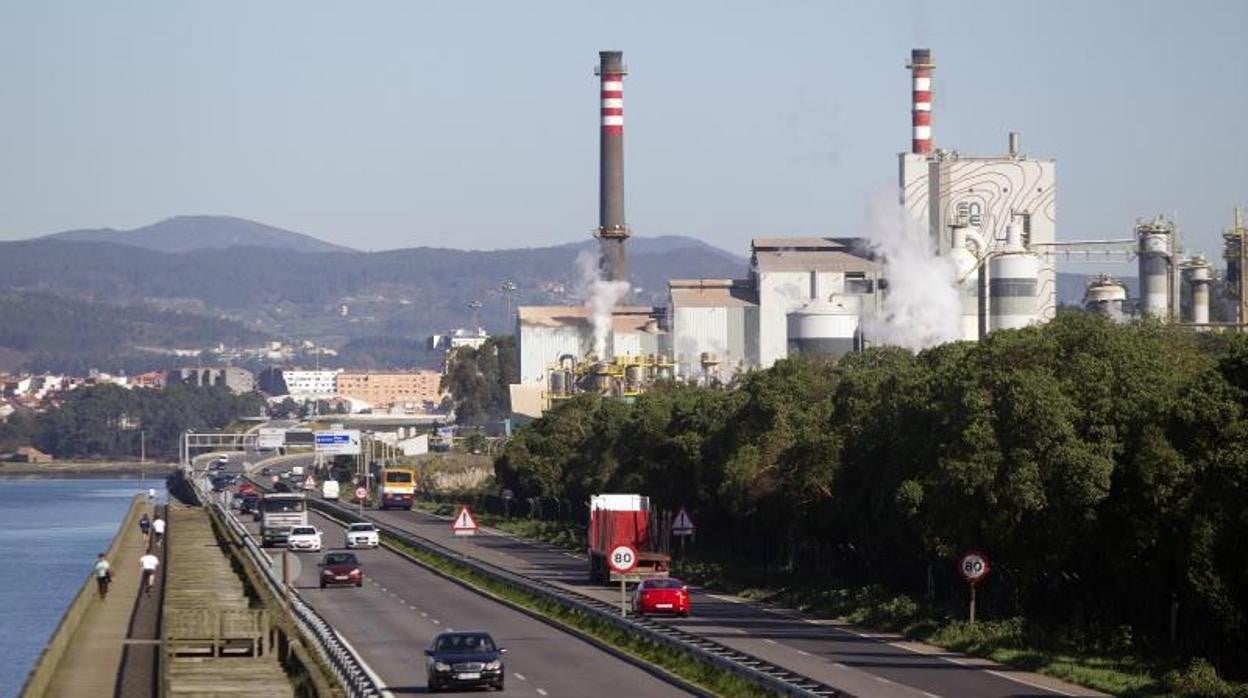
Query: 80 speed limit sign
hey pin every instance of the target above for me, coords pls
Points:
(622, 559)
(973, 566)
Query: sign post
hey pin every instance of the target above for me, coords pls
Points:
(361, 493)
(973, 567)
(683, 527)
(622, 560)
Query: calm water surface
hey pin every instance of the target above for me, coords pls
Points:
(50, 533)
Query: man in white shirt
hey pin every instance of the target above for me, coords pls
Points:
(158, 527)
(103, 575)
(149, 562)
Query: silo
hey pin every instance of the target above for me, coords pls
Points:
(966, 272)
(1105, 296)
(823, 327)
(1012, 275)
(1154, 243)
(1200, 280)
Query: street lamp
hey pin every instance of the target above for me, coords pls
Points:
(508, 288)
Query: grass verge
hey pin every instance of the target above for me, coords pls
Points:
(687, 668)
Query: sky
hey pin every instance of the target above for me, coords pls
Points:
(402, 123)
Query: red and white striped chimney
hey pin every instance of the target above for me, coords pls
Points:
(612, 230)
(921, 67)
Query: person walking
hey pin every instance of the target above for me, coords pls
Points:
(149, 563)
(158, 527)
(103, 575)
(145, 525)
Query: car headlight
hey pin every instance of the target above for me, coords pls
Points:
(441, 666)
(494, 665)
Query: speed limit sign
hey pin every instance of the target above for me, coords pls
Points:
(361, 493)
(622, 559)
(973, 566)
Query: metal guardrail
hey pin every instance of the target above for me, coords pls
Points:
(347, 666)
(757, 671)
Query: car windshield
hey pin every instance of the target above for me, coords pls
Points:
(303, 531)
(398, 477)
(340, 559)
(662, 584)
(465, 643)
(362, 527)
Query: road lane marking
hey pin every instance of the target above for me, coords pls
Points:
(520, 676)
(437, 622)
(541, 691)
(804, 653)
(770, 641)
(424, 614)
(881, 679)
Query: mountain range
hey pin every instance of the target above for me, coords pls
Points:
(263, 281)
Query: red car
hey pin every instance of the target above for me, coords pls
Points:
(341, 568)
(661, 595)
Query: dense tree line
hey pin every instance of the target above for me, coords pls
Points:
(1102, 468)
(477, 380)
(106, 421)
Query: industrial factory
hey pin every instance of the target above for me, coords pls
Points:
(987, 224)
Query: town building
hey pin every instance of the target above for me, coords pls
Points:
(412, 390)
(237, 380)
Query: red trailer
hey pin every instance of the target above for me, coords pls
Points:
(623, 519)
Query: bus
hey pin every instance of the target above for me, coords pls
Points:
(397, 487)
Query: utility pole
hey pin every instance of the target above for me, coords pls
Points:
(475, 307)
(142, 447)
(508, 288)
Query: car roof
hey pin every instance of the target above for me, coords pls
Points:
(456, 633)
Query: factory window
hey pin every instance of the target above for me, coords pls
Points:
(856, 282)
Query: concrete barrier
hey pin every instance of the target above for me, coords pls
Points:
(45, 667)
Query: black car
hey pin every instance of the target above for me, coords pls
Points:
(249, 504)
(465, 658)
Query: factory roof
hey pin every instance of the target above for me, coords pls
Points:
(625, 318)
(712, 293)
(803, 244)
(822, 260)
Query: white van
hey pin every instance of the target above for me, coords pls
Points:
(329, 489)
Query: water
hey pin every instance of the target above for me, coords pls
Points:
(50, 533)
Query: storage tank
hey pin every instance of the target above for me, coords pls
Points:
(966, 271)
(1154, 248)
(826, 327)
(1105, 296)
(1012, 285)
(1200, 279)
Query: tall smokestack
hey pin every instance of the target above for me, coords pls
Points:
(921, 67)
(612, 231)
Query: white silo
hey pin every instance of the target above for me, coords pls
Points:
(966, 266)
(1105, 296)
(825, 327)
(1155, 241)
(1012, 274)
(1200, 279)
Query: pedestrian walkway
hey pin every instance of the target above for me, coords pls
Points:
(93, 658)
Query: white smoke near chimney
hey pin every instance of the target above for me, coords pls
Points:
(921, 307)
(600, 297)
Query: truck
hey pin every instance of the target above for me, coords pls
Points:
(623, 519)
(397, 487)
(279, 512)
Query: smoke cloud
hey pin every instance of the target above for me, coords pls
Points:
(921, 306)
(601, 297)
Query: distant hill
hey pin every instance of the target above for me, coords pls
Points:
(334, 297)
(43, 331)
(192, 233)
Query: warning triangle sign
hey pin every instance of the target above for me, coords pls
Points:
(464, 524)
(682, 524)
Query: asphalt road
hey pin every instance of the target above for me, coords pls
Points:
(848, 659)
(837, 656)
(402, 607)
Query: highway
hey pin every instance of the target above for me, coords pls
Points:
(402, 606)
(849, 659)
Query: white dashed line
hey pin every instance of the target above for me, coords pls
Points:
(881, 679)
(929, 695)
(770, 641)
(411, 607)
(541, 691)
(437, 622)
(520, 676)
(424, 614)
(804, 653)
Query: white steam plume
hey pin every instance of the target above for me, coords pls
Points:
(601, 297)
(921, 305)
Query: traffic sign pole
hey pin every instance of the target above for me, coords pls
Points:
(973, 567)
(622, 560)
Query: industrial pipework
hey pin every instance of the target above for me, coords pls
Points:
(921, 67)
(1156, 244)
(612, 231)
(1105, 296)
(1012, 283)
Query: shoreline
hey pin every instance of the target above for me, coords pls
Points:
(74, 471)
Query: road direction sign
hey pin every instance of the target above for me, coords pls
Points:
(464, 524)
(973, 566)
(345, 442)
(682, 525)
(622, 559)
(361, 493)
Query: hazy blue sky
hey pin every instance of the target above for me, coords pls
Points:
(474, 124)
